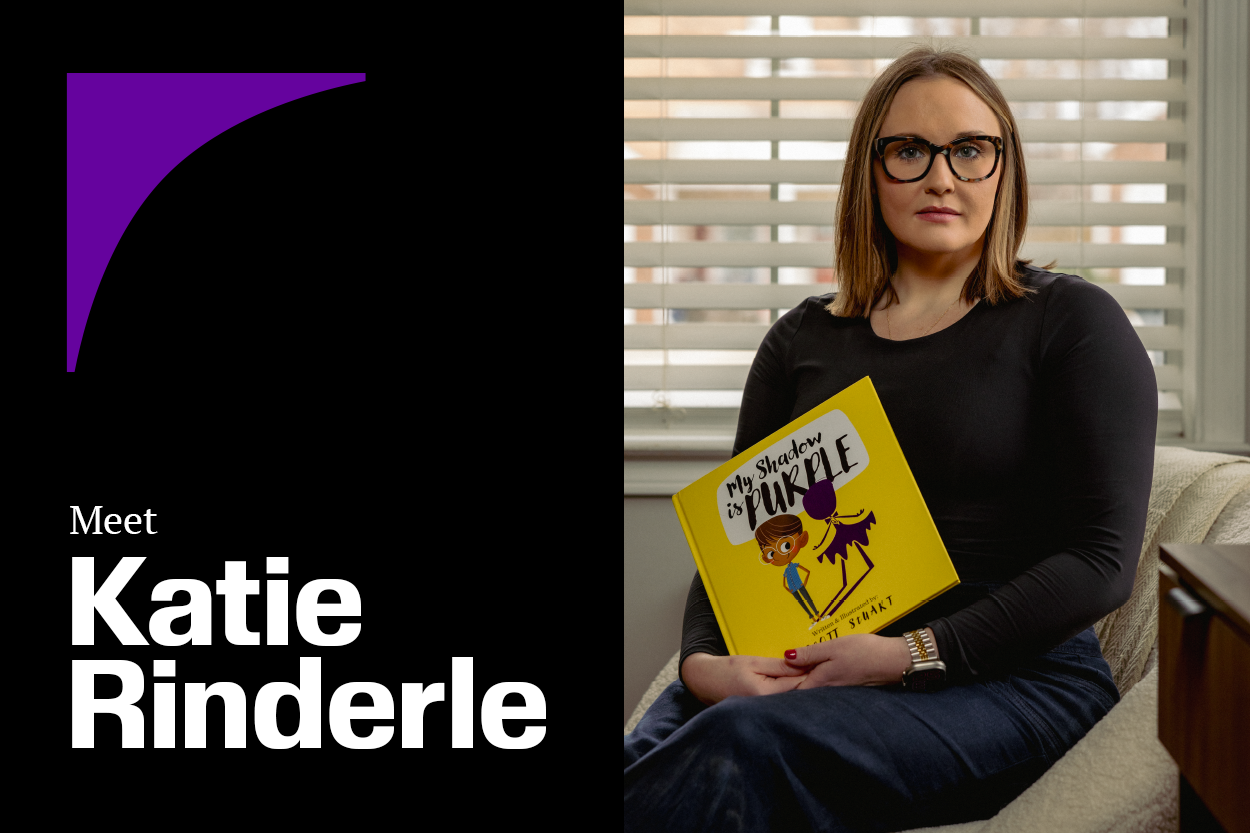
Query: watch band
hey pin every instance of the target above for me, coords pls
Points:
(927, 672)
(920, 645)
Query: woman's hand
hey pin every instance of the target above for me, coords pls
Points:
(712, 679)
(855, 659)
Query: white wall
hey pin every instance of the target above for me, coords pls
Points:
(658, 570)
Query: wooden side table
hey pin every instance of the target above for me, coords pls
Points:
(1204, 680)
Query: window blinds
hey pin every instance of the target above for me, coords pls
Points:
(737, 114)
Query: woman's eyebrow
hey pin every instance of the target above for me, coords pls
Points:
(965, 134)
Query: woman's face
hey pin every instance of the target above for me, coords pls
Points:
(938, 109)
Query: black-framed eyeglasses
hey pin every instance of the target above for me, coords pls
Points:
(909, 158)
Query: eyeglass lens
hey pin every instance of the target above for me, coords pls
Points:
(973, 158)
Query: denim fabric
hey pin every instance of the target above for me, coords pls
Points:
(861, 758)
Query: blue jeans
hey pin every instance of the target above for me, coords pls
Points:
(861, 758)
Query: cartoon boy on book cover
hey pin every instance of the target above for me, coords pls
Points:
(780, 540)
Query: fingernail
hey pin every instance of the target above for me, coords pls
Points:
(792, 654)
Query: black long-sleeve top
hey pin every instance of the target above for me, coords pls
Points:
(1029, 427)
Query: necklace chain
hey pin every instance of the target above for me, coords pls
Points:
(890, 331)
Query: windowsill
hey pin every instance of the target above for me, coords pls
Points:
(664, 471)
(679, 444)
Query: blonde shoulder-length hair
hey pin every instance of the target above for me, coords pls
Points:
(865, 255)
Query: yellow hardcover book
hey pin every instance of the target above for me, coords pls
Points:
(817, 531)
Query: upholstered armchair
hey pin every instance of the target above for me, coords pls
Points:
(1119, 777)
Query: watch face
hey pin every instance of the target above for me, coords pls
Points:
(928, 679)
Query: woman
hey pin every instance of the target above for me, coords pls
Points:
(1025, 405)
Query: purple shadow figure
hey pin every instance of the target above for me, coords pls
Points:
(821, 503)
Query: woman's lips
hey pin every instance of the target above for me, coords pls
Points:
(937, 216)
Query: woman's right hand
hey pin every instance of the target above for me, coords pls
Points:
(712, 678)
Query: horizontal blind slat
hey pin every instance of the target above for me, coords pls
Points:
(687, 377)
(829, 172)
(1103, 255)
(910, 8)
(853, 89)
(1049, 213)
(821, 213)
(734, 377)
(717, 296)
(721, 336)
(1168, 376)
(820, 255)
(711, 46)
(702, 336)
(787, 296)
(1168, 296)
(1164, 337)
(839, 130)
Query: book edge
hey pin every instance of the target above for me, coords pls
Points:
(698, 562)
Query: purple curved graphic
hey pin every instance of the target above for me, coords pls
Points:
(125, 132)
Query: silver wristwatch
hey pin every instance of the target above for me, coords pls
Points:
(927, 673)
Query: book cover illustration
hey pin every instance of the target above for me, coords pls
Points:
(828, 499)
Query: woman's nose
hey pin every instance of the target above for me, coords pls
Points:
(940, 180)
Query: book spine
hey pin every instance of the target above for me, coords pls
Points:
(707, 584)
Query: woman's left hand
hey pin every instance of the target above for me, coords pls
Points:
(855, 659)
